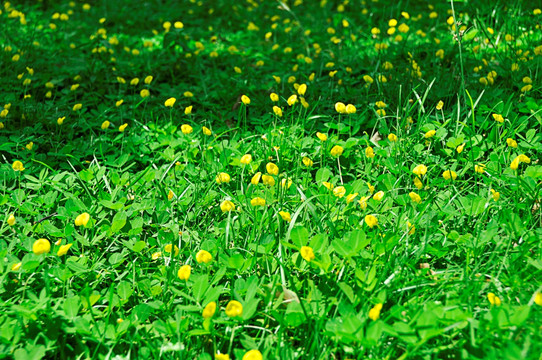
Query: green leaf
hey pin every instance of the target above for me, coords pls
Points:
(299, 236)
(119, 220)
(71, 306)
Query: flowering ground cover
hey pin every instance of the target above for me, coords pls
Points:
(270, 179)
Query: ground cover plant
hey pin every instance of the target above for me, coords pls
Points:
(270, 180)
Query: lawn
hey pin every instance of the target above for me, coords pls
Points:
(270, 179)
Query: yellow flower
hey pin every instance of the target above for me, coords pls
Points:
(292, 100)
(245, 99)
(381, 112)
(41, 246)
(145, 93)
(371, 188)
(524, 159)
(170, 102)
(169, 247)
(285, 216)
(512, 143)
(105, 124)
(337, 151)
(369, 152)
(17, 166)
(77, 107)
(16, 266)
(302, 89)
(480, 168)
(277, 111)
(418, 183)
(392, 137)
(256, 178)
(440, 105)
(272, 168)
(188, 94)
(415, 197)
(178, 25)
(253, 355)
(350, 109)
(63, 250)
(188, 110)
(206, 131)
(371, 221)
(286, 183)
(498, 118)
(234, 309)
(222, 178)
(307, 161)
(411, 228)
(134, 82)
(204, 256)
(246, 159)
(374, 313)
(322, 137)
(460, 148)
(495, 195)
(339, 191)
(537, 298)
(378, 196)
(11, 220)
(123, 127)
(274, 97)
(351, 197)
(82, 220)
(380, 104)
(430, 134)
(340, 108)
(257, 201)
(328, 185)
(60, 120)
(268, 180)
(186, 129)
(209, 310)
(449, 174)
(156, 255)
(307, 253)
(4, 113)
(494, 299)
(227, 206)
(222, 357)
(363, 202)
(420, 170)
(184, 272)
(148, 79)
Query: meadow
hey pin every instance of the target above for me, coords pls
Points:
(250, 180)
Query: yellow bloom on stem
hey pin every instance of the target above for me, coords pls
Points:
(460, 148)
(188, 110)
(480, 168)
(350, 109)
(498, 118)
(449, 174)
(322, 137)
(222, 178)
(524, 159)
(41, 246)
(350, 198)
(363, 202)
(292, 100)
(206, 131)
(17, 166)
(277, 111)
(371, 221)
(209, 310)
(256, 178)
(148, 79)
(420, 170)
(440, 105)
(272, 168)
(537, 298)
(307, 253)
(253, 355)
(371, 188)
(227, 206)
(285, 216)
(274, 97)
(246, 159)
(170, 102)
(268, 180)
(339, 191)
(286, 183)
(123, 127)
(340, 107)
(302, 89)
(257, 201)
(430, 134)
(369, 152)
(378, 196)
(203, 256)
(82, 219)
(186, 129)
(512, 143)
(60, 120)
(245, 99)
(495, 195)
(170, 247)
(307, 161)
(222, 357)
(494, 299)
(392, 137)
(16, 266)
(144, 93)
(77, 107)
(415, 197)
(328, 185)
(336, 151)
(63, 250)
(374, 313)
(11, 220)
(234, 309)
(105, 124)
(418, 183)
(184, 272)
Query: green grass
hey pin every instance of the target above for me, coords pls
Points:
(451, 270)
